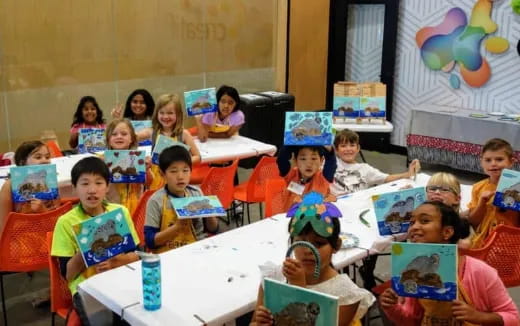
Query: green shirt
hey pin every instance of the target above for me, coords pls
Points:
(64, 243)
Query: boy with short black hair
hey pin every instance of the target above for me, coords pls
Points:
(497, 154)
(307, 175)
(90, 180)
(163, 230)
(352, 176)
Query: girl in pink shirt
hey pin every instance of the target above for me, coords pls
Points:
(87, 115)
(483, 298)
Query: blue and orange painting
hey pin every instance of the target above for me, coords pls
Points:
(126, 166)
(91, 140)
(425, 270)
(162, 143)
(346, 106)
(140, 125)
(458, 39)
(102, 237)
(34, 182)
(393, 210)
(197, 206)
(507, 195)
(201, 101)
(308, 128)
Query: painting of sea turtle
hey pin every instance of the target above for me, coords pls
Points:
(201, 101)
(91, 140)
(126, 166)
(104, 236)
(346, 106)
(393, 210)
(425, 270)
(308, 128)
(34, 181)
(297, 314)
(197, 206)
(507, 195)
(296, 306)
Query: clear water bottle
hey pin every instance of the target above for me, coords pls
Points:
(151, 267)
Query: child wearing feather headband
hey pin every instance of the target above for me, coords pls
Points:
(316, 222)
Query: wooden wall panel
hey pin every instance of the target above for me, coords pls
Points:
(308, 48)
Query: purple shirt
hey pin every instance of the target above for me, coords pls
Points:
(234, 119)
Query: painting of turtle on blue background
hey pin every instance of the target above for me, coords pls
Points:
(34, 182)
(161, 144)
(425, 270)
(91, 140)
(104, 236)
(393, 210)
(126, 166)
(198, 206)
(346, 106)
(201, 101)
(308, 128)
(507, 195)
(294, 305)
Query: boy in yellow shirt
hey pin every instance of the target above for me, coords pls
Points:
(90, 179)
(497, 154)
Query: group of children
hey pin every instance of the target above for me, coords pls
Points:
(331, 171)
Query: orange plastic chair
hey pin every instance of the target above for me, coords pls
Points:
(199, 172)
(23, 243)
(194, 131)
(502, 252)
(139, 215)
(253, 190)
(274, 196)
(54, 149)
(219, 182)
(61, 299)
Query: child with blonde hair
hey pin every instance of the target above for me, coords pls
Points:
(168, 120)
(120, 135)
(444, 187)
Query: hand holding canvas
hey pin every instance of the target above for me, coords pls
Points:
(263, 316)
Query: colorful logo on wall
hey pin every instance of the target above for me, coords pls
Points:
(456, 40)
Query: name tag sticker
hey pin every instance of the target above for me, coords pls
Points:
(296, 188)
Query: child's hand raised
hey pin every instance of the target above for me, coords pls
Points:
(414, 168)
(388, 298)
(294, 272)
(263, 316)
(117, 112)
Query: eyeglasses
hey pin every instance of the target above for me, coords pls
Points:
(443, 190)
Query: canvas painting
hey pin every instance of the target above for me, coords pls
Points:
(294, 305)
(393, 210)
(162, 143)
(198, 206)
(425, 270)
(308, 128)
(126, 166)
(34, 182)
(507, 195)
(373, 106)
(140, 125)
(201, 101)
(102, 237)
(346, 106)
(91, 140)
